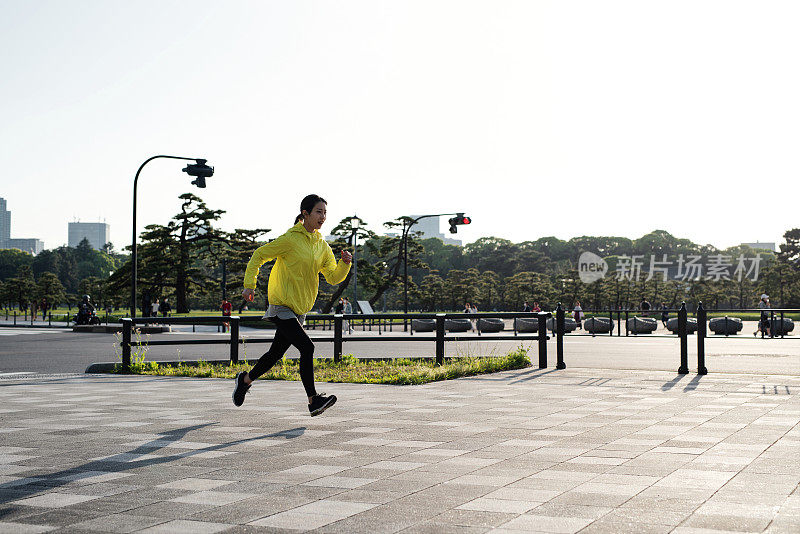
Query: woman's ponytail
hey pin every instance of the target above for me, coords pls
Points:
(298, 218)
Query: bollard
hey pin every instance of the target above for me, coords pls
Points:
(127, 325)
(439, 339)
(234, 340)
(701, 340)
(560, 338)
(684, 368)
(542, 340)
(15, 317)
(337, 337)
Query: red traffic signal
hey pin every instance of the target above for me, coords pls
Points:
(460, 218)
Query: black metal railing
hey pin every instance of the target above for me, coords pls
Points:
(701, 315)
(439, 337)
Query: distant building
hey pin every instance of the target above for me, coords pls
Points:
(762, 246)
(430, 228)
(97, 233)
(5, 224)
(30, 245)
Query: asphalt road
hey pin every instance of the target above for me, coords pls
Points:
(42, 350)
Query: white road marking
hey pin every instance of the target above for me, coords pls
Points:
(21, 331)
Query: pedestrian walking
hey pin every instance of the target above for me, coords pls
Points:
(226, 308)
(526, 307)
(301, 254)
(664, 314)
(348, 310)
(577, 314)
(763, 322)
(44, 307)
(645, 307)
(468, 309)
(473, 309)
(165, 307)
(34, 309)
(536, 308)
(156, 306)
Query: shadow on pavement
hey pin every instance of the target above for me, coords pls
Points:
(693, 383)
(29, 486)
(672, 383)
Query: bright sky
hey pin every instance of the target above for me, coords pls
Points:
(535, 118)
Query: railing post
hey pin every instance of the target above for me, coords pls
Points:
(337, 337)
(439, 339)
(682, 333)
(560, 338)
(543, 339)
(626, 323)
(783, 330)
(15, 317)
(234, 339)
(701, 340)
(726, 326)
(127, 326)
(610, 322)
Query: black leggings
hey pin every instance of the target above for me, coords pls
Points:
(289, 332)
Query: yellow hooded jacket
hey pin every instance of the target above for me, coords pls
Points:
(301, 256)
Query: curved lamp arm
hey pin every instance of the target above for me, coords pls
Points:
(133, 241)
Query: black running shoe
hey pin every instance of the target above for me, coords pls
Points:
(241, 389)
(320, 403)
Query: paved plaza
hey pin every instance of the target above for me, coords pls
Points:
(531, 450)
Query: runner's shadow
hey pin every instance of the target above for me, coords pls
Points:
(121, 462)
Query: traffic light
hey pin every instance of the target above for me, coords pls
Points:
(201, 171)
(460, 218)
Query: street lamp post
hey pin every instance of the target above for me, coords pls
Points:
(355, 223)
(406, 229)
(200, 171)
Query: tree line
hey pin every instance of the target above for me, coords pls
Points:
(191, 260)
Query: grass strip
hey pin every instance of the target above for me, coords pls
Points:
(398, 371)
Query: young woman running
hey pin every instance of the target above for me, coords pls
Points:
(301, 254)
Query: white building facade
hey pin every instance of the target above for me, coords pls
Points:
(98, 234)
